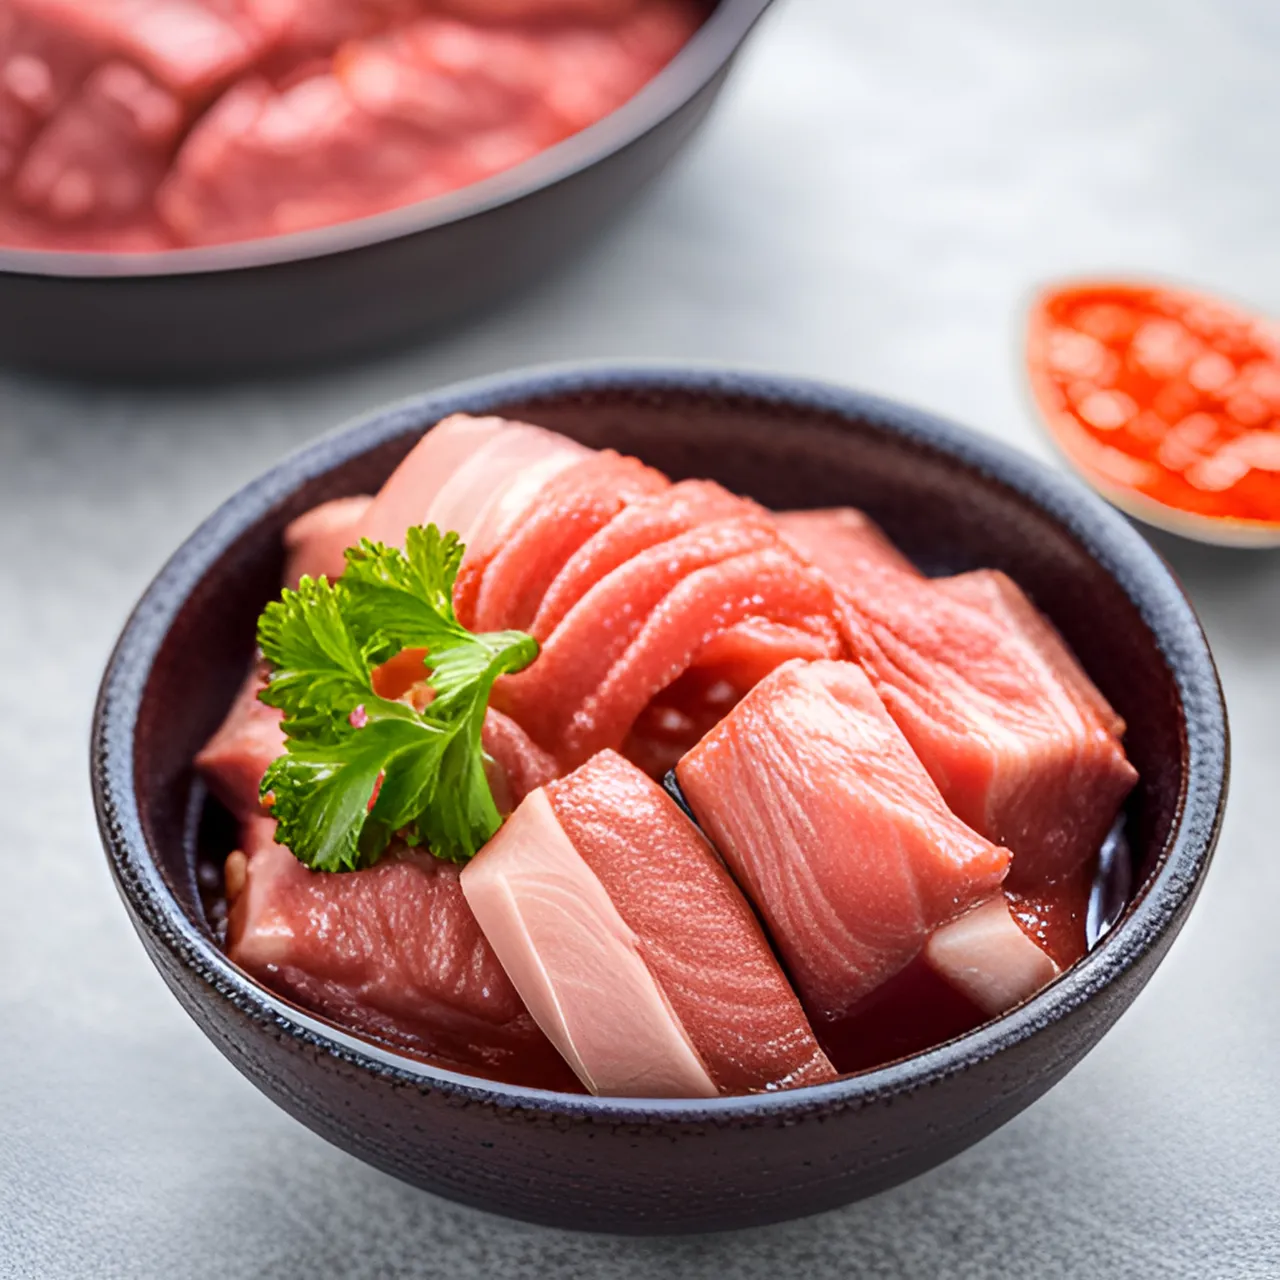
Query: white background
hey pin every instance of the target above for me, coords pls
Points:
(878, 191)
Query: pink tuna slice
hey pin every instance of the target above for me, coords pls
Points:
(848, 546)
(406, 498)
(844, 543)
(315, 542)
(577, 965)
(1021, 742)
(829, 822)
(597, 631)
(485, 498)
(1018, 753)
(768, 584)
(392, 952)
(638, 527)
(997, 595)
(474, 476)
(571, 508)
(725, 670)
(987, 957)
(695, 931)
(233, 761)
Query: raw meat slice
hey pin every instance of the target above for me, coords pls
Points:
(457, 81)
(577, 964)
(314, 543)
(516, 764)
(751, 649)
(989, 959)
(101, 156)
(595, 634)
(570, 509)
(474, 476)
(844, 543)
(1019, 755)
(832, 827)
(1021, 742)
(725, 670)
(696, 933)
(636, 528)
(392, 953)
(493, 487)
(299, 30)
(233, 761)
(406, 497)
(190, 46)
(264, 161)
(1001, 598)
(40, 67)
(604, 11)
(769, 583)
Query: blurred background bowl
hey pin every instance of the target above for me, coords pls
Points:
(953, 501)
(365, 284)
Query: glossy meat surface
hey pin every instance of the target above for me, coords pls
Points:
(835, 831)
(392, 952)
(577, 964)
(696, 932)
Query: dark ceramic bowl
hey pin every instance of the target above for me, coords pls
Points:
(952, 500)
(360, 285)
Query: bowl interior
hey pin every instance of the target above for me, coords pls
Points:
(950, 501)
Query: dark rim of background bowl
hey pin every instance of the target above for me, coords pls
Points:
(1104, 533)
(706, 53)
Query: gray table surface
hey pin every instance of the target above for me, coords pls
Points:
(874, 198)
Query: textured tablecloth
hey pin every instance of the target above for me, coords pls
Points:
(879, 190)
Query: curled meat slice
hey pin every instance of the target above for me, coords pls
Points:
(641, 525)
(567, 512)
(595, 634)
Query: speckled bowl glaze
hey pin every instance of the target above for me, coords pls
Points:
(359, 286)
(953, 501)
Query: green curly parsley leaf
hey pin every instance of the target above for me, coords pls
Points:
(360, 768)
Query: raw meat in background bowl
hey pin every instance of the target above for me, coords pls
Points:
(152, 124)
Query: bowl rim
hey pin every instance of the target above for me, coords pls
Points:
(1103, 533)
(700, 60)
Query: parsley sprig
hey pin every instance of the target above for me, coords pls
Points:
(360, 768)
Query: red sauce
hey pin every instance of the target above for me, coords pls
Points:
(222, 120)
(914, 1011)
(1054, 915)
(1163, 394)
(918, 1010)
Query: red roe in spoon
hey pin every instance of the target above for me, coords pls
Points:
(1167, 400)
